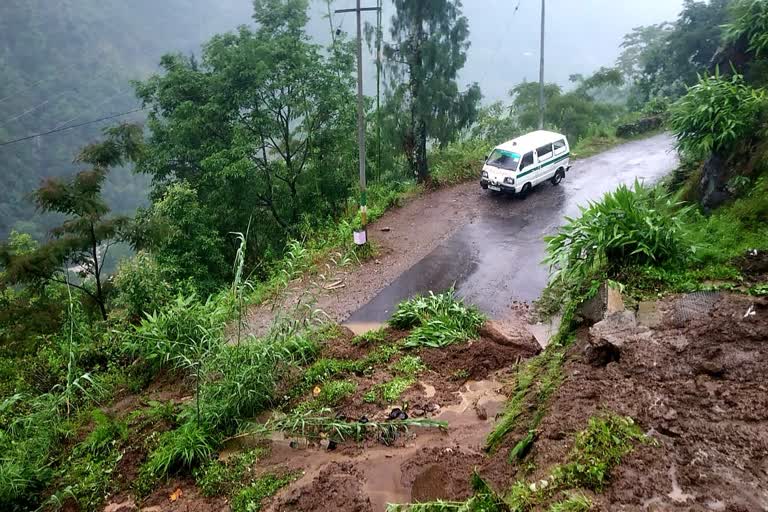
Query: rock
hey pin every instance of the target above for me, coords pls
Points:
(418, 413)
(481, 411)
(607, 337)
(432, 407)
(386, 229)
(712, 368)
(524, 341)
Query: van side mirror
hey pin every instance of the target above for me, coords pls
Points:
(486, 157)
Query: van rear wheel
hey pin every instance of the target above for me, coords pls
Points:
(558, 177)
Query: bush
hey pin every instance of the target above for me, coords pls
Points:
(630, 226)
(437, 320)
(458, 162)
(183, 448)
(140, 286)
(750, 22)
(715, 115)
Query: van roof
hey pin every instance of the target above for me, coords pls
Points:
(531, 140)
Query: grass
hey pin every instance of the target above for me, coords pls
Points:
(373, 337)
(409, 366)
(390, 391)
(224, 478)
(334, 392)
(251, 497)
(575, 502)
(319, 425)
(436, 321)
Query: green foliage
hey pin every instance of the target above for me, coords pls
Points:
(373, 337)
(437, 320)
(409, 365)
(217, 478)
(628, 226)
(186, 327)
(183, 448)
(250, 498)
(425, 91)
(598, 449)
(334, 392)
(106, 434)
(716, 115)
(388, 392)
(318, 425)
(573, 503)
(458, 161)
(484, 499)
(750, 23)
(141, 286)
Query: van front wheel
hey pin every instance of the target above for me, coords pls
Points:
(525, 191)
(558, 177)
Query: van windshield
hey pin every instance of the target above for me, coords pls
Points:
(504, 159)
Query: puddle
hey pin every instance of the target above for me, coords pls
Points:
(381, 466)
(360, 328)
(677, 495)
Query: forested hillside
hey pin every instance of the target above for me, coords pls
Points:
(121, 391)
(70, 61)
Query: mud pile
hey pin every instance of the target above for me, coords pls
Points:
(692, 371)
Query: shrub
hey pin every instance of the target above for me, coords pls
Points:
(334, 392)
(182, 448)
(436, 320)
(715, 115)
(140, 286)
(458, 162)
(250, 498)
(628, 226)
(749, 21)
(218, 478)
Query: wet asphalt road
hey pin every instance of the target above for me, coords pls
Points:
(496, 258)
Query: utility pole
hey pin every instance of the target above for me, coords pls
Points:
(542, 107)
(361, 117)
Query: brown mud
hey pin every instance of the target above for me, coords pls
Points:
(695, 382)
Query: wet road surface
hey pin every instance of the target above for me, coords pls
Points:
(495, 259)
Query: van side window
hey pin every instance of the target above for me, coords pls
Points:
(544, 152)
(559, 147)
(527, 160)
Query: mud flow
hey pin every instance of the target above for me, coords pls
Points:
(463, 386)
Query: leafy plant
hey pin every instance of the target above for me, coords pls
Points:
(370, 338)
(409, 366)
(436, 320)
(332, 393)
(749, 20)
(715, 115)
(251, 497)
(216, 477)
(573, 503)
(388, 391)
(183, 448)
(628, 226)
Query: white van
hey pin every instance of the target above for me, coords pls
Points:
(520, 164)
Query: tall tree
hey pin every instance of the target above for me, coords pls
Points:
(261, 128)
(84, 239)
(430, 42)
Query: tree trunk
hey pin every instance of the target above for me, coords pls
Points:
(422, 167)
(97, 274)
(418, 122)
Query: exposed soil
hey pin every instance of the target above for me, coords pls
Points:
(696, 382)
(754, 266)
(412, 232)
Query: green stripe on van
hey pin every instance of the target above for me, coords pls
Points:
(558, 159)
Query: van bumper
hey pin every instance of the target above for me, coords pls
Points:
(485, 184)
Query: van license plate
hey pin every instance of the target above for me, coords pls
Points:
(492, 187)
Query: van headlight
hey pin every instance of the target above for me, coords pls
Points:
(509, 181)
(485, 174)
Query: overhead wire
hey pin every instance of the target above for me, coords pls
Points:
(65, 128)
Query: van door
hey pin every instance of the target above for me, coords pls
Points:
(527, 170)
(547, 169)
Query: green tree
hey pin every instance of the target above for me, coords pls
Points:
(429, 48)
(84, 239)
(262, 128)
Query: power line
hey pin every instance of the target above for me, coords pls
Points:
(57, 130)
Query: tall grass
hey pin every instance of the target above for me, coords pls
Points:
(437, 320)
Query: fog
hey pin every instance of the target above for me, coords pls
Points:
(581, 36)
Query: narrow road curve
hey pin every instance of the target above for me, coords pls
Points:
(496, 258)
